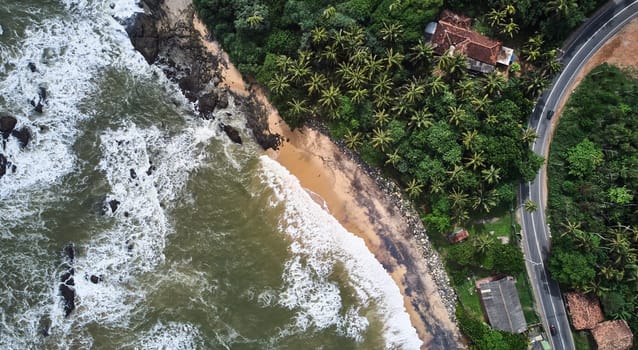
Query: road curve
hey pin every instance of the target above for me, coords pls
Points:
(581, 46)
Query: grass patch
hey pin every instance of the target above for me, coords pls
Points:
(497, 227)
(583, 341)
(527, 299)
(468, 295)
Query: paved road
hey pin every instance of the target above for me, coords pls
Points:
(536, 234)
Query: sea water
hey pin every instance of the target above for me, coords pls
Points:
(211, 245)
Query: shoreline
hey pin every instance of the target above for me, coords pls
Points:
(365, 203)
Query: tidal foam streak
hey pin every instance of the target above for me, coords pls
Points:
(318, 244)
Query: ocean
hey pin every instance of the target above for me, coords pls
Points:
(180, 238)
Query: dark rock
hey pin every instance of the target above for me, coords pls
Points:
(23, 135)
(144, 35)
(32, 67)
(69, 252)
(39, 108)
(13, 168)
(94, 279)
(206, 104)
(45, 326)
(232, 133)
(112, 6)
(42, 92)
(68, 275)
(3, 165)
(7, 123)
(150, 170)
(68, 297)
(114, 203)
(126, 214)
(222, 101)
(133, 174)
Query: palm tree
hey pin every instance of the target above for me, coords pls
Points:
(452, 64)
(373, 65)
(298, 107)
(329, 96)
(391, 33)
(459, 198)
(475, 161)
(466, 88)
(279, 84)
(460, 216)
(437, 186)
(421, 52)
(360, 55)
(354, 36)
(329, 12)
(317, 82)
(456, 173)
(358, 95)
(494, 83)
(481, 103)
(437, 85)
(530, 206)
(255, 20)
(457, 115)
(413, 91)
(482, 243)
(352, 140)
(414, 188)
(329, 54)
(485, 201)
(393, 58)
(383, 85)
(529, 135)
(393, 158)
(496, 17)
(381, 138)
(510, 28)
(561, 7)
(469, 137)
(299, 69)
(421, 119)
(318, 35)
(283, 63)
(381, 117)
(382, 100)
(491, 175)
(536, 83)
(491, 119)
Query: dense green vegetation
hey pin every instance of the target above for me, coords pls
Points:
(593, 179)
(456, 141)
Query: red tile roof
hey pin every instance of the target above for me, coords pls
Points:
(613, 335)
(458, 236)
(454, 31)
(584, 311)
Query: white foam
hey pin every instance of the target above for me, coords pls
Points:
(172, 335)
(68, 56)
(318, 242)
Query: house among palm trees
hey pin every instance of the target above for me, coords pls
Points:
(584, 311)
(452, 34)
(458, 236)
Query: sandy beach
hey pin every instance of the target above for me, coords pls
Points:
(386, 222)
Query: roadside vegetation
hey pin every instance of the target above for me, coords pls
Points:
(593, 182)
(456, 141)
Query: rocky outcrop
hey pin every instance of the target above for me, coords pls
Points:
(3, 165)
(7, 124)
(167, 36)
(23, 135)
(232, 134)
(67, 283)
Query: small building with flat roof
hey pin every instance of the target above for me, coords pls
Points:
(613, 335)
(584, 311)
(502, 305)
